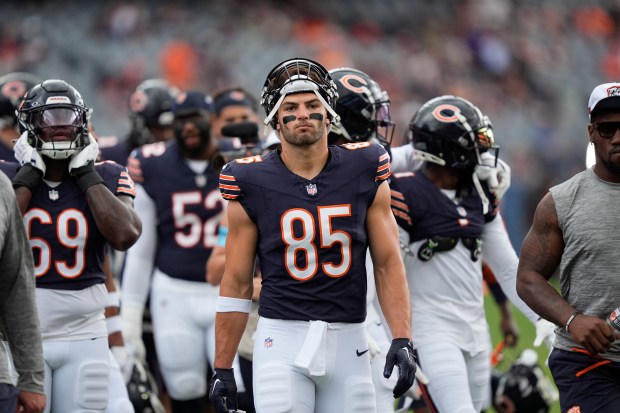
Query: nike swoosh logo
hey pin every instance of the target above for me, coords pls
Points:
(359, 354)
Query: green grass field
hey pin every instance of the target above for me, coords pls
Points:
(526, 338)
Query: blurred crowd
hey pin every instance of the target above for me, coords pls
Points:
(529, 65)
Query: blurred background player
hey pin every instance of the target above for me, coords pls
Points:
(233, 105)
(236, 113)
(150, 116)
(443, 213)
(13, 86)
(181, 207)
(72, 210)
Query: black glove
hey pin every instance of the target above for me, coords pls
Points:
(28, 176)
(223, 391)
(86, 176)
(401, 355)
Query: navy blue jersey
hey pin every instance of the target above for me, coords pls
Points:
(113, 149)
(67, 246)
(189, 208)
(424, 211)
(312, 236)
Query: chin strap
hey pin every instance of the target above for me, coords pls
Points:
(483, 197)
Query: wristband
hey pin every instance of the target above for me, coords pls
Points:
(232, 305)
(114, 299)
(86, 176)
(28, 176)
(570, 320)
(114, 324)
(222, 232)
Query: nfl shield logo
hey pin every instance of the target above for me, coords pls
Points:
(53, 194)
(311, 188)
(268, 342)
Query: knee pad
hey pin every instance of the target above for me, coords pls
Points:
(183, 365)
(273, 390)
(359, 395)
(92, 393)
(185, 385)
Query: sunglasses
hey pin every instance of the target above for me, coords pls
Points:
(606, 130)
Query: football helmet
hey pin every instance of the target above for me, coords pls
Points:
(142, 390)
(13, 87)
(150, 107)
(297, 75)
(50, 110)
(526, 386)
(364, 108)
(451, 131)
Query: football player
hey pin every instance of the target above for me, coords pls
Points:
(441, 210)
(310, 224)
(73, 208)
(13, 87)
(364, 116)
(181, 207)
(150, 115)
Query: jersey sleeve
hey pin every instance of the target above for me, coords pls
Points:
(384, 169)
(229, 188)
(399, 206)
(117, 178)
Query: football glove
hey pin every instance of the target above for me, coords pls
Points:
(545, 333)
(401, 355)
(82, 165)
(223, 391)
(496, 176)
(32, 168)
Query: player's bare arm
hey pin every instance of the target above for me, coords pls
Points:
(114, 216)
(23, 196)
(540, 256)
(236, 282)
(390, 275)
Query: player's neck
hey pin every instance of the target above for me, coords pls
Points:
(442, 177)
(305, 161)
(56, 170)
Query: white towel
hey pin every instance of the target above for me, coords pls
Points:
(311, 357)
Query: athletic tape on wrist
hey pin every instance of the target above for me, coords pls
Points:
(114, 299)
(114, 324)
(232, 305)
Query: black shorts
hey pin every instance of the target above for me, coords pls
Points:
(587, 384)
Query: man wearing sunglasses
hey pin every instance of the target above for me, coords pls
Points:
(575, 229)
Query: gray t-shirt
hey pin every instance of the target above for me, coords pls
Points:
(18, 311)
(588, 216)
